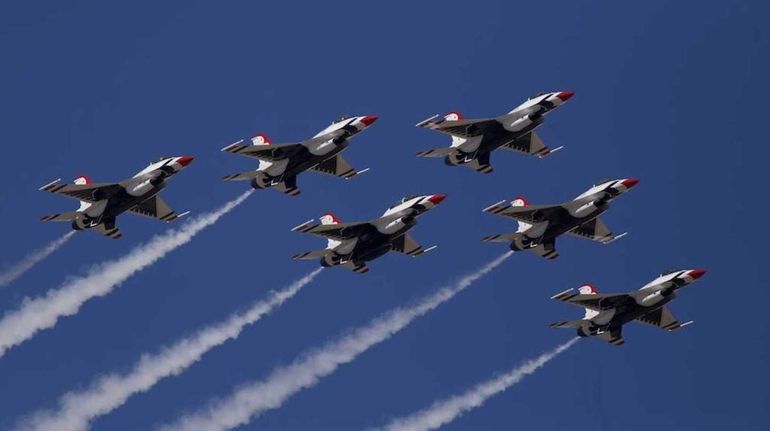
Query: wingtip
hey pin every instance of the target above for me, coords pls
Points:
(562, 293)
(303, 225)
(426, 121)
(50, 184)
(494, 205)
(234, 144)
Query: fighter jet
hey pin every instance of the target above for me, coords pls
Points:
(101, 203)
(607, 313)
(539, 225)
(351, 245)
(279, 164)
(474, 140)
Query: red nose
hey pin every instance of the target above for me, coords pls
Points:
(696, 273)
(369, 119)
(436, 199)
(565, 95)
(184, 160)
(629, 182)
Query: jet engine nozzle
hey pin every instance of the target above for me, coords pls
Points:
(587, 330)
(261, 181)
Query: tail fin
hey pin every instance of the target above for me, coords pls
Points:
(83, 180)
(328, 219)
(453, 116)
(521, 201)
(261, 139)
(588, 289)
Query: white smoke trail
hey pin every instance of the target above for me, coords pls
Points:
(43, 312)
(445, 411)
(251, 400)
(15, 271)
(77, 409)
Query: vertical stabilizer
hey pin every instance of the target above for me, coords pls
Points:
(83, 180)
(521, 202)
(588, 289)
(330, 219)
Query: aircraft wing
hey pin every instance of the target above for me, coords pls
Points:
(268, 152)
(407, 245)
(336, 166)
(340, 231)
(156, 208)
(523, 213)
(594, 230)
(662, 318)
(529, 144)
(83, 192)
(596, 302)
(460, 128)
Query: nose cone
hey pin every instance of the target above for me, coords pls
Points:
(436, 199)
(565, 95)
(629, 182)
(696, 273)
(184, 160)
(369, 119)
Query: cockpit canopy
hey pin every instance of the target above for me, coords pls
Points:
(403, 200)
(160, 159)
(537, 95)
(669, 271)
(341, 119)
(604, 181)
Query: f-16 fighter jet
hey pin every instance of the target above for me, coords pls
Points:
(279, 164)
(351, 245)
(539, 225)
(101, 203)
(474, 140)
(607, 313)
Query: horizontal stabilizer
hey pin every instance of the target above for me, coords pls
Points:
(241, 176)
(60, 217)
(436, 152)
(501, 237)
(574, 324)
(311, 255)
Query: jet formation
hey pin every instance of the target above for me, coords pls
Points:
(353, 245)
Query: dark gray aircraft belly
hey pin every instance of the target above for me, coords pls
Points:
(303, 160)
(561, 222)
(373, 244)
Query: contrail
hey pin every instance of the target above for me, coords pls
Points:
(43, 312)
(447, 410)
(76, 410)
(15, 271)
(248, 402)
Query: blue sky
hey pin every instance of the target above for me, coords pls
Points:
(667, 92)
